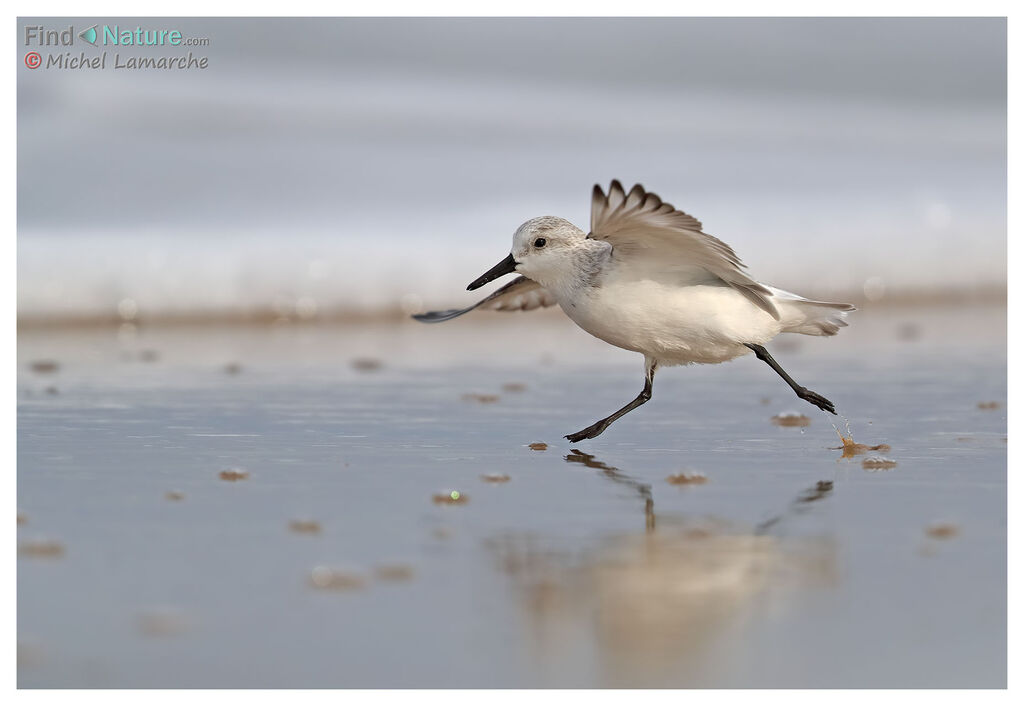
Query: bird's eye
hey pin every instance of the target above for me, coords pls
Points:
(539, 243)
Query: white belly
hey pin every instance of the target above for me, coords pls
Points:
(675, 325)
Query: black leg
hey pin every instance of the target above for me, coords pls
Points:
(597, 428)
(801, 391)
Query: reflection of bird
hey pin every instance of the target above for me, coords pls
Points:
(590, 461)
(647, 279)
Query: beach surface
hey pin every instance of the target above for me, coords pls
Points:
(394, 505)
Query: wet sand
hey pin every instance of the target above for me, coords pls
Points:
(375, 506)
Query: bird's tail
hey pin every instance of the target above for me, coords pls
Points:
(810, 317)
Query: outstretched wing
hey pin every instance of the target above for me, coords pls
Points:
(521, 294)
(646, 231)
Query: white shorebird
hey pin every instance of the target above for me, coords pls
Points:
(647, 279)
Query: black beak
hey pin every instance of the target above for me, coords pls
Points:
(506, 266)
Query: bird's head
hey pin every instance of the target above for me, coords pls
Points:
(543, 249)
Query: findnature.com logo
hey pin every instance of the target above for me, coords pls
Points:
(110, 35)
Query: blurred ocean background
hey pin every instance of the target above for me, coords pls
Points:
(326, 167)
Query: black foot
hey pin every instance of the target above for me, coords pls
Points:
(816, 399)
(594, 430)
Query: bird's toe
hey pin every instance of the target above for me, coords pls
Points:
(588, 433)
(819, 401)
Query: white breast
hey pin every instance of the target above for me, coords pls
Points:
(676, 324)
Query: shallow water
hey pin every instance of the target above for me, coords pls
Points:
(331, 563)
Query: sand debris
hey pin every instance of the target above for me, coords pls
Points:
(988, 405)
(367, 365)
(332, 579)
(791, 419)
(22, 518)
(304, 526)
(539, 446)
(41, 548)
(232, 369)
(942, 530)
(44, 367)
(878, 463)
(495, 478)
(452, 497)
(685, 478)
(513, 387)
(162, 622)
(851, 448)
(233, 474)
(174, 495)
(394, 572)
(480, 398)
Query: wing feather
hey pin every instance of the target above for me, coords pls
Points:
(642, 227)
(521, 294)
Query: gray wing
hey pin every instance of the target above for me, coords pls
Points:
(521, 294)
(650, 234)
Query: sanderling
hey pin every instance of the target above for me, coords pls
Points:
(647, 279)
